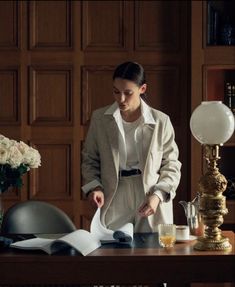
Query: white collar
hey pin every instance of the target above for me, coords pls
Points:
(145, 111)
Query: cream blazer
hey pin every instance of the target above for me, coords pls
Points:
(157, 153)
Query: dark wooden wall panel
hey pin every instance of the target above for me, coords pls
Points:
(162, 18)
(164, 90)
(9, 23)
(97, 89)
(104, 25)
(53, 181)
(50, 95)
(9, 96)
(50, 24)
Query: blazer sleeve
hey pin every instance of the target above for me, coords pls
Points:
(91, 158)
(170, 173)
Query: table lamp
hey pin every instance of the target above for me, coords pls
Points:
(212, 124)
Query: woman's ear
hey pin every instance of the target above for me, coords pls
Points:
(143, 88)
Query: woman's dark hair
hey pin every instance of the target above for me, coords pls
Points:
(130, 71)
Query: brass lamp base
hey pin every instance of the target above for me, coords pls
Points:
(220, 244)
(212, 204)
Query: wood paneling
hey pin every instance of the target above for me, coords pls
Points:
(9, 23)
(162, 18)
(160, 79)
(53, 181)
(50, 95)
(50, 24)
(9, 96)
(97, 89)
(104, 25)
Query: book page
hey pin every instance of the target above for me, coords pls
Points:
(33, 244)
(81, 240)
(49, 235)
(105, 235)
(98, 230)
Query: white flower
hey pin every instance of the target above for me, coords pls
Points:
(32, 158)
(15, 157)
(3, 154)
(16, 153)
(23, 147)
(6, 142)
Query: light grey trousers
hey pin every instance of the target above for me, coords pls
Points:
(124, 206)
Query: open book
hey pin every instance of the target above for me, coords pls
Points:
(81, 240)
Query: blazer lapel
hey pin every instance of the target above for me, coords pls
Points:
(113, 136)
(147, 136)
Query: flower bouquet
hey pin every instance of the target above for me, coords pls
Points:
(16, 158)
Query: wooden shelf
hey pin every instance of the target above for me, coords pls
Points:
(215, 79)
(219, 55)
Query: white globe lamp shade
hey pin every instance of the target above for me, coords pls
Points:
(212, 123)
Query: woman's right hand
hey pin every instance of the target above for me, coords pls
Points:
(96, 198)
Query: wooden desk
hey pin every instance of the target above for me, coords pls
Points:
(180, 265)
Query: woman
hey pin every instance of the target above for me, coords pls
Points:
(130, 158)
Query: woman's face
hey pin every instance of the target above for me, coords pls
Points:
(127, 94)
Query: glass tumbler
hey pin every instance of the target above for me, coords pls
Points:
(167, 235)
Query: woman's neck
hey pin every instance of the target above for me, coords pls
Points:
(131, 116)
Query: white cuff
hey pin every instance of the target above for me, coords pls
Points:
(163, 190)
(161, 195)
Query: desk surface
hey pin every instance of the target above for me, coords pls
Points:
(120, 266)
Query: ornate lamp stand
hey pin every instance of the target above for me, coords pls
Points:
(212, 204)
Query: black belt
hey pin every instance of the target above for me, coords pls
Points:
(124, 173)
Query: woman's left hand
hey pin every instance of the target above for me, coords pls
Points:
(149, 206)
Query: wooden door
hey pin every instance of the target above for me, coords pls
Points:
(56, 65)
